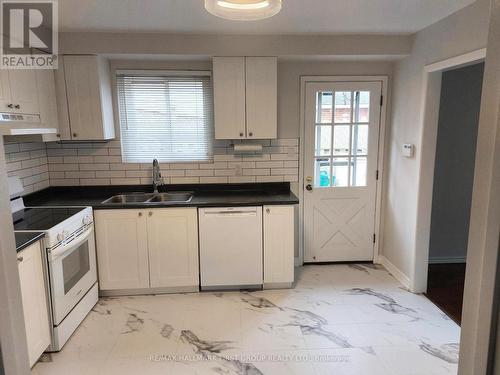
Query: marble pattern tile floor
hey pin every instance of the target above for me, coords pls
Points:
(339, 319)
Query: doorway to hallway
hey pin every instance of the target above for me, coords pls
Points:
(453, 182)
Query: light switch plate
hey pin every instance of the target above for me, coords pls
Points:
(408, 150)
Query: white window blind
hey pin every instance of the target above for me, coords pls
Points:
(166, 116)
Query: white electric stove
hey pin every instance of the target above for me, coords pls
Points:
(70, 259)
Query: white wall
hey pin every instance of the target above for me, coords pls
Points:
(369, 45)
(461, 32)
(289, 73)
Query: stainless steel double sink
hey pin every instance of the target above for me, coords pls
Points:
(149, 198)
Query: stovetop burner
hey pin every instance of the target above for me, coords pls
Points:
(42, 218)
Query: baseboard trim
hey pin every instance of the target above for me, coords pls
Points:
(444, 260)
(398, 275)
(148, 291)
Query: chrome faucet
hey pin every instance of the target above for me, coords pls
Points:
(157, 180)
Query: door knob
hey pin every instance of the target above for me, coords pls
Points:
(309, 187)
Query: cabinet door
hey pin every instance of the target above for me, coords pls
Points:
(173, 247)
(229, 97)
(62, 102)
(34, 297)
(84, 98)
(122, 249)
(47, 98)
(261, 97)
(279, 244)
(24, 91)
(5, 97)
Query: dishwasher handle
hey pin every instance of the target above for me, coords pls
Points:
(230, 212)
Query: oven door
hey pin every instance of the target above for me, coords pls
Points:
(72, 273)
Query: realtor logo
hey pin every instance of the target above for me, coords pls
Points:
(29, 34)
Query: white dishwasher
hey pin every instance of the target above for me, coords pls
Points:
(231, 247)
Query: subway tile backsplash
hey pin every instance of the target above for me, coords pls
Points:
(29, 162)
(91, 163)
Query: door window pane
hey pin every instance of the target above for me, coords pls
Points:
(340, 172)
(343, 106)
(323, 140)
(324, 107)
(360, 140)
(75, 266)
(322, 176)
(358, 171)
(341, 140)
(362, 106)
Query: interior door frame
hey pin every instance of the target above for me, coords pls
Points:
(384, 80)
(429, 115)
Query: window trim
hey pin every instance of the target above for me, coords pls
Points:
(164, 72)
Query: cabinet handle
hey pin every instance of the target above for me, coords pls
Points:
(150, 213)
(268, 210)
(58, 135)
(20, 259)
(140, 214)
(10, 105)
(250, 134)
(241, 134)
(75, 135)
(17, 106)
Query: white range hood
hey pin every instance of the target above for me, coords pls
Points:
(21, 124)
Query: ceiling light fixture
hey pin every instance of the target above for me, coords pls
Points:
(243, 10)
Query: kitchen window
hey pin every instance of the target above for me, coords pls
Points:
(165, 115)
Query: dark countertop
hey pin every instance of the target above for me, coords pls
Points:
(210, 195)
(24, 239)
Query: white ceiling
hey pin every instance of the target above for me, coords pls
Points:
(297, 16)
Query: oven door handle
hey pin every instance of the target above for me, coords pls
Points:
(68, 247)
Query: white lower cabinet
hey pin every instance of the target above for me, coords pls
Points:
(34, 298)
(122, 249)
(142, 251)
(173, 247)
(145, 249)
(279, 246)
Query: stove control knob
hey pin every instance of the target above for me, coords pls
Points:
(61, 236)
(87, 220)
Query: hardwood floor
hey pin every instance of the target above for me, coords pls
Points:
(446, 288)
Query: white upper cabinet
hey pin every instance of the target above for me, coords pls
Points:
(245, 97)
(229, 97)
(84, 98)
(47, 98)
(262, 97)
(19, 91)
